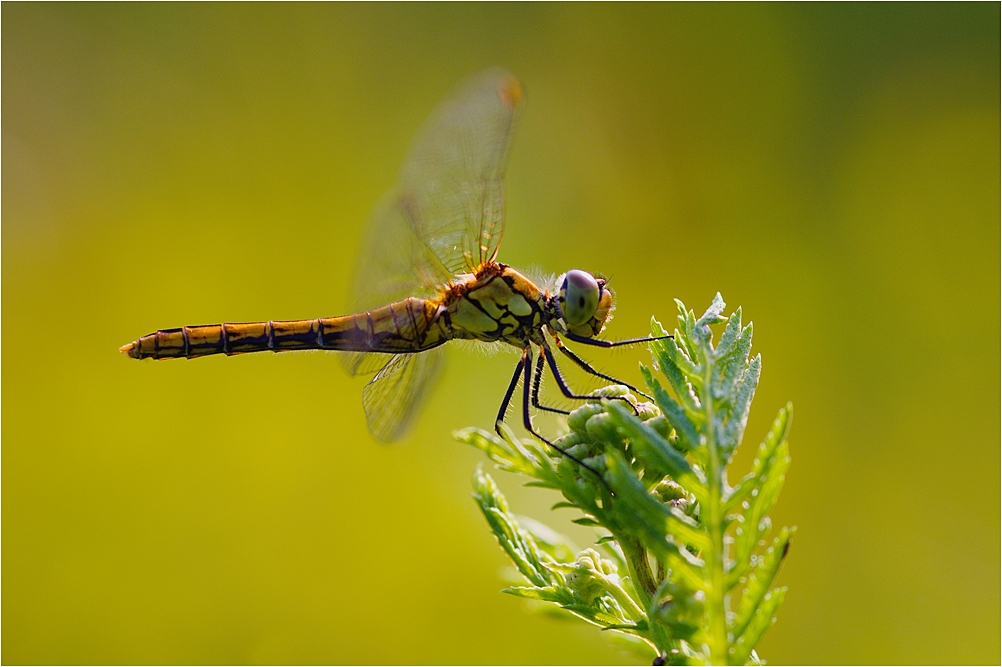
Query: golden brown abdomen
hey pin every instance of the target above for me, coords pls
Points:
(411, 325)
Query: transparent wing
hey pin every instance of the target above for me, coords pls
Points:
(446, 215)
(397, 392)
(451, 187)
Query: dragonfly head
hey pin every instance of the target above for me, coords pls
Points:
(584, 303)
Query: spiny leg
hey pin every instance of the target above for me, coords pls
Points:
(502, 413)
(567, 390)
(588, 369)
(535, 389)
(598, 342)
(526, 368)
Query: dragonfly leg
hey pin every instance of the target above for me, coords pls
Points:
(508, 394)
(598, 342)
(526, 367)
(535, 390)
(570, 394)
(586, 367)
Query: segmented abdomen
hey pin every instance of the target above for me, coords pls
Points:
(411, 325)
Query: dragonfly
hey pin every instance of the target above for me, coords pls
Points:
(428, 274)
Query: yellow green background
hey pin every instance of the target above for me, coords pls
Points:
(834, 169)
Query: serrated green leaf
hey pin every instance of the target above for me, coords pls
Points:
(657, 330)
(630, 515)
(761, 501)
(686, 323)
(535, 575)
(547, 594)
(713, 314)
(499, 523)
(762, 620)
(739, 492)
(494, 448)
(514, 541)
(524, 557)
(683, 314)
(642, 435)
(760, 580)
(673, 412)
(659, 517)
(773, 481)
(776, 436)
(764, 458)
(732, 365)
(738, 415)
(689, 340)
(682, 358)
(587, 613)
(730, 335)
(676, 378)
(557, 546)
(533, 454)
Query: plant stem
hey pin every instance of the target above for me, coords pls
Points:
(715, 609)
(628, 604)
(640, 570)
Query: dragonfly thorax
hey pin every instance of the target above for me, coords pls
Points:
(496, 304)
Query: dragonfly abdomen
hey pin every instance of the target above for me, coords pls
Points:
(227, 338)
(411, 325)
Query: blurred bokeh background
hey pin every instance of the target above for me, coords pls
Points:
(834, 169)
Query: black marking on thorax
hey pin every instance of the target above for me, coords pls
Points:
(529, 326)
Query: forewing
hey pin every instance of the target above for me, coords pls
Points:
(393, 397)
(446, 215)
(451, 187)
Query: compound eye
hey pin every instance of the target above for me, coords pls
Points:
(581, 294)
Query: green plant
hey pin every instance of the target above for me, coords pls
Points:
(684, 566)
